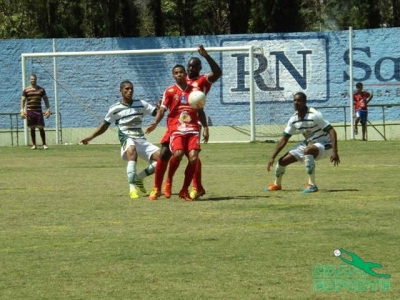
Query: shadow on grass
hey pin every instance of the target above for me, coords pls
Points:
(232, 198)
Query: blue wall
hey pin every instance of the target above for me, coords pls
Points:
(316, 63)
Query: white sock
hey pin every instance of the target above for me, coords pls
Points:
(149, 170)
(309, 161)
(279, 171)
(131, 173)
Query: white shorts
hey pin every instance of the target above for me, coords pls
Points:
(298, 151)
(144, 148)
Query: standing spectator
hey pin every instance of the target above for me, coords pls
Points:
(128, 116)
(183, 128)
(202, 82)
(32, 98)
(320, 141)
(361, 99)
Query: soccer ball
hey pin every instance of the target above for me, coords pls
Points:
(197, 99)
(337, 252)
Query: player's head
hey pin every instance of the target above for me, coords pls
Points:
(32, 79)
(126, 89)
(359, 86)
(179, 73)
(299, 100)
(194, 67)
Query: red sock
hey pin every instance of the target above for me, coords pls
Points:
(189, 172)
(161, 167)
(197, 175)
(173, 166)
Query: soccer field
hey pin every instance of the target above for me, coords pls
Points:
(70, 231)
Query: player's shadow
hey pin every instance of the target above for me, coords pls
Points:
(342, 190)
(232, 198)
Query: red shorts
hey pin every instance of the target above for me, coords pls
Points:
(185, 142)
(35, 118)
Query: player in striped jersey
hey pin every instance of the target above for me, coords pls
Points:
(128, 115)
(32, 98)
(320, 141)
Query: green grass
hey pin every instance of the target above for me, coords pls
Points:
(68, 229)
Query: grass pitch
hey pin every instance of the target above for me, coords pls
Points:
(68, 229)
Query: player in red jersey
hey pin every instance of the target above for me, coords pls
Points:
(361, 99)
(204, 83)
(184, 130)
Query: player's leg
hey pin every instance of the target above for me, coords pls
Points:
(192, 149)
(178, 147)
(197, 189)
(33, 137)
(311, 155)
(32, 123)
(363, 121)
(160, 168)
(294, 155)
(357, 120)
(43, 137)
(40, 126)
(128, 153)
(150, 153)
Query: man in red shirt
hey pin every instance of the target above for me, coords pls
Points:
(361, 99)
(183, 128)
(202, 82)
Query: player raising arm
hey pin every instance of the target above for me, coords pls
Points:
(184, 131)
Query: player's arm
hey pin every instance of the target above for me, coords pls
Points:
(47, 104)
(281, 144)
(203, 121)
(216, 71)
(157, 119)
(99, 131)
(370, 97)
(23, 101)
(335, 155)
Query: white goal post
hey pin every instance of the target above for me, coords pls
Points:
(58, 71)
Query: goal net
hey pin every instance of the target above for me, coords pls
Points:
(82, 86)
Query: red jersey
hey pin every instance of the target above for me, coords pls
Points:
(200, 82)
(182, 118)
(360, 100)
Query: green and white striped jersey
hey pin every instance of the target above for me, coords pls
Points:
(129, 118)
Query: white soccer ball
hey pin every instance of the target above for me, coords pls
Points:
(337, 252)
(197, 99)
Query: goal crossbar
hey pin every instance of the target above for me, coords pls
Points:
(247, 48)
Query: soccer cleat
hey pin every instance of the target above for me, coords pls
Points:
(273, 187)
(45, 147)
(139, 184)
(154, 194)
(197, 193)
(185, 195)
(310, 188)
(167, 189)
(133, 194)
(33, 147)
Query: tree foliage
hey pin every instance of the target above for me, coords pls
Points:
(130, 18)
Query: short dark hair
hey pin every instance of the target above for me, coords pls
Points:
(125, 82)
(302, 95)
(33, 75)
(359, 85)
(178, 66)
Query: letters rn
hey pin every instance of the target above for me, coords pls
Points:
(280, 58)
(382, 73)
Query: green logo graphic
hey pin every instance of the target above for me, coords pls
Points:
(356, 275)
(358, 262)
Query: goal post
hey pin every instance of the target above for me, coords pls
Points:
(90, 80)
